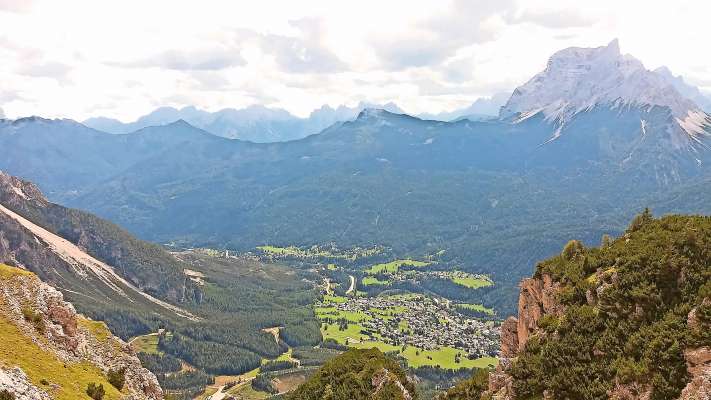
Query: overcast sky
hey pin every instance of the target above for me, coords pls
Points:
(78, 59)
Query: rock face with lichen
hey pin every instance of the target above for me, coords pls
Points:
(37, 312)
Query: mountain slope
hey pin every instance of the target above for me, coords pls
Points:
(47, 351)
(630, 319)
(96, 264)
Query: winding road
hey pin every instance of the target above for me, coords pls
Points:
(352, 288)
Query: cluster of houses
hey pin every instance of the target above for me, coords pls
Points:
(424, 322)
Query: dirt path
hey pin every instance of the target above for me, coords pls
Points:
(352, 288)
(274, 331)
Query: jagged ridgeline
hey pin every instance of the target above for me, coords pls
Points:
(627, 320)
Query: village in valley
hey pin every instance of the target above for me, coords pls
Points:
(423, 322)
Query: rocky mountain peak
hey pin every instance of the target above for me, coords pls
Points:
(578, 79)
(14, 191)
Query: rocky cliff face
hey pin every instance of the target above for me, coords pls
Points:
(51, 332)
(698, 362)
(537, 298)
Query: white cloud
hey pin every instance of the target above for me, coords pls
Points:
(121, 59)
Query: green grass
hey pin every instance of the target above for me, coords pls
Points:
(353, 332)
(284, 251)
(444, 357)
(331, 267)
(393, 266)
(334, 314)
(145, 343)
(389, 312)
(470, 281)
(98, 329)
(16, 349)
(334, 299)
(384, 347)
(246, 392)
(287, 356)
(405, 296)
(7, 272)
(476, 307)
(371, 280)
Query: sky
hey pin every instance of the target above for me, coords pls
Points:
(122, 59)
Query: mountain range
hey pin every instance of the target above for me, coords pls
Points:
(255, 123)
(575, 152)
(261, 124)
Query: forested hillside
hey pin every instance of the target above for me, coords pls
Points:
(628, 319)
(357, 375)
(215, 309)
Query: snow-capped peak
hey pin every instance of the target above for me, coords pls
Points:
(578, 79)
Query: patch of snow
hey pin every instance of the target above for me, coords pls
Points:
(695, 124)
(383, 160)
(643, 126)
(556, 135)
(429, 141)
(579, 79)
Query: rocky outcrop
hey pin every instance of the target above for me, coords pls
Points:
(698, 362)
(15, 381)
(509, 337)
(384, 378)
(536, 299)
(41, 314)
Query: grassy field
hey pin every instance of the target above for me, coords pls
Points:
(334, 314)
(331, 331)
(384, 347)
(444, 357)
(393, 266)
(476, 307)
(371, 280)
(146, 343)
(470, 281)
(334, 299)
(245, 392)
(72, 379)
